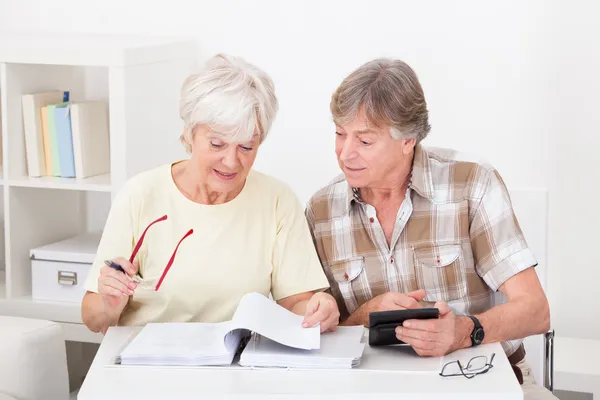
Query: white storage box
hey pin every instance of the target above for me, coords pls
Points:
(59, 270)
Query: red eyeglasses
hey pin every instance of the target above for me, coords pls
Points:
(141, 240)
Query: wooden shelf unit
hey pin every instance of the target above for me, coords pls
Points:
(140, 79)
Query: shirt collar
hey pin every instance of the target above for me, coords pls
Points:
(421, 180)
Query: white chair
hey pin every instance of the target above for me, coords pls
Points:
(531, 208)
(33, 360)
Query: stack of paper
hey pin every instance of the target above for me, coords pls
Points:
(183, 344)
(277, 339)
(340, 349)
(198, 343)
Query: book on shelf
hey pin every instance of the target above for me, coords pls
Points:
(64, 138)
(33, 128)
(261, 333)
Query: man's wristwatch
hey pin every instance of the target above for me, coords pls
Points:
(477, 334)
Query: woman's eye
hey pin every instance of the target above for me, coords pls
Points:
(244, 148)
(216, 145)
(365, 143)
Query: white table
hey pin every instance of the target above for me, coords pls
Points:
(375, 378)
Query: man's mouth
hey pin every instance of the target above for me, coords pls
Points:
(353, 169)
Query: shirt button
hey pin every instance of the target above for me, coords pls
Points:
(392, 260)
(372, 219)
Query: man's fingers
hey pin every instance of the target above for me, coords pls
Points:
(404, 301)
(416, 342)
(424, 336)
(427, 325)
(418, 295)
(443, 307)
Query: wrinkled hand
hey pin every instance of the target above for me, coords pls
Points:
(431, 337)
(115, 286)
(322, 309)
(394, 301)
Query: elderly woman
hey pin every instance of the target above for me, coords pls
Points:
(195, 235)
(407, 226)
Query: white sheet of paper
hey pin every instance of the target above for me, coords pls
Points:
(339, 348)
(265, 317)
(179, 339)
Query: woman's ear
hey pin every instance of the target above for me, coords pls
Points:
(186, 139)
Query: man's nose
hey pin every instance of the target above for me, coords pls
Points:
(348, 150)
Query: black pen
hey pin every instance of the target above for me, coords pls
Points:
(117, 267)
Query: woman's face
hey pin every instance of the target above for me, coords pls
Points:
(223, 165)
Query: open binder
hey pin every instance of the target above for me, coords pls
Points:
(265, 334)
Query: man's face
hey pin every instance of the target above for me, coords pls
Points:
(368, 156)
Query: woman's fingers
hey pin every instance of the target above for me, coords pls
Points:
(129, 268)
(331, 323)
(115, 283)
(114, 287)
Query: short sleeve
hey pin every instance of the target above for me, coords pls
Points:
(296, 267)
(499, 248)
(117, 236)
(334, 288)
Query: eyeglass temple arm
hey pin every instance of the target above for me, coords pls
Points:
(141, 239)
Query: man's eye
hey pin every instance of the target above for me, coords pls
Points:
(365, 143)
(244, 148)
(216, 145)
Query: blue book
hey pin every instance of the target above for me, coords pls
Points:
(64, 136)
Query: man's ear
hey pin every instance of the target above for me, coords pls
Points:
(408, 146)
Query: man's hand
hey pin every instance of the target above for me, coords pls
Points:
(385, 302)
(322, 309)
(434, 337)
(395, 301)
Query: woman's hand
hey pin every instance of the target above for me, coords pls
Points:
(322, 309)
(115, 286)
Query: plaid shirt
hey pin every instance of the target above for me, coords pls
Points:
(456, 236)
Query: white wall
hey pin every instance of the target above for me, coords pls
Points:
(513, 81)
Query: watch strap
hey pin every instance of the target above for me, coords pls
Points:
(477, 327)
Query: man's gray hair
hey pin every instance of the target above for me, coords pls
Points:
(390, 94)
(232, 97)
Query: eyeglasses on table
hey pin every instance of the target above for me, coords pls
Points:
(475, 366)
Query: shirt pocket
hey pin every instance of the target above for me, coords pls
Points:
(346, 274)
(439, 270)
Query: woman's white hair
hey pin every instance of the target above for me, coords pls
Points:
(232, 97)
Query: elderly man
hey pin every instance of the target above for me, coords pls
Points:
(405, 226)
